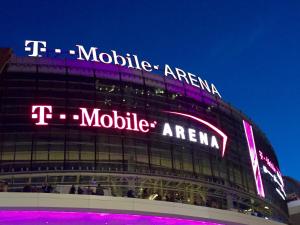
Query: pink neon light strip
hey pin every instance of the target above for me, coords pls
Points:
(254, 159)
(224, 136)
(23, 217)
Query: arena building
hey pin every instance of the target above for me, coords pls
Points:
(154, 146)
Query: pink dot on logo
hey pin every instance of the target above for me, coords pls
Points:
(62, 116)
(75, 117)
(34, 116)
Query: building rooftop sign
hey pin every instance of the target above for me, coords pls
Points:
(131, 61)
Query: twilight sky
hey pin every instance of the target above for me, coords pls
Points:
(249, 49)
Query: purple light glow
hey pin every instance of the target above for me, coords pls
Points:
(90, 218)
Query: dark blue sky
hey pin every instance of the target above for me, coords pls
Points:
(249, 49)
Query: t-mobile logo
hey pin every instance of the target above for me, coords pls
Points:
(35, 47)
(41, 113)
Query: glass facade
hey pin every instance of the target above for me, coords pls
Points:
(65, 153)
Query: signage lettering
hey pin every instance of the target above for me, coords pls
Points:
(130, 61)
(179, 132)
(275, 174)
(190, 134)
(41, 113)
(94, 118)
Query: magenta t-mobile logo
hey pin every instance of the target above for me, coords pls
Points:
(254, 158)
(41, 113)
(35, 47)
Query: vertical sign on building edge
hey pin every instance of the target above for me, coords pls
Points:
(254, 159)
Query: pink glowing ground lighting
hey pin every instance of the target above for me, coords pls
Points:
(90, 218)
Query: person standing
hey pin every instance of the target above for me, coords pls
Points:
(72, 189)
(99, 190)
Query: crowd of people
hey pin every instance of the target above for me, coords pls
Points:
(46, 188)
(99, 190)
(79, 190)
(144, 193)
(92, 191)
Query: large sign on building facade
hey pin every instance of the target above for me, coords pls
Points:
(42, 115)
(262, 164)
(131, 61)
(254, 158)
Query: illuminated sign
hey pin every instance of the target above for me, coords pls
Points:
(254, 158)
(94, 118)
(275, 174)
(190, 134)
(202, 137)
(266, 160)
(42, 114)
(38, 48)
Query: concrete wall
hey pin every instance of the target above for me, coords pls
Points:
(67, 202)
